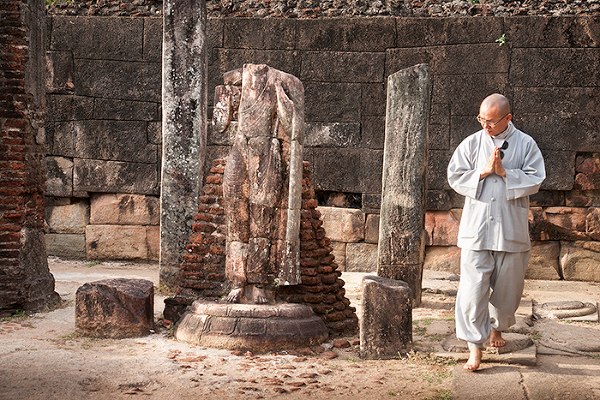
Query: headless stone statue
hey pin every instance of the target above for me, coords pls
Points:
(262, 182)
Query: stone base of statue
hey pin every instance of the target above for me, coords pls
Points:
(250, 327)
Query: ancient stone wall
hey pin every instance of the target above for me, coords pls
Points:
(106, 95)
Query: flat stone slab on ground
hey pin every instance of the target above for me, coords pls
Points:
(253, 327)
(115, 308)
(574, 310)
(519, 349)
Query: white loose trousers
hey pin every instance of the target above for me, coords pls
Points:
(476, 310)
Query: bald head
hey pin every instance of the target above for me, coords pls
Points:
(496, 102)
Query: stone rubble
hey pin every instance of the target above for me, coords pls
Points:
(336, 8)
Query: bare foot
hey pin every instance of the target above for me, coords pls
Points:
(235, 295)
(259, 296)
(474, 360)
(496, 339)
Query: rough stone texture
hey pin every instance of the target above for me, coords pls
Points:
(71, 218)
(336, 134)
(115, 308)
(402, 227)
(66, 245)
(153, 242)
(579, 261)
(361, 257)
(124, 209)
(543, 261)
(386, 323)
(442, 227)
(184, 107)
(203, 268)
(343, 224)
(25, 281)
(60, 177)
(251, 327)
(113, 177)
(442, 258)
(338, 250)
(116, 242)
(372, 228)
(566, 223)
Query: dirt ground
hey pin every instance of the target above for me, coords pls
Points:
(42, 357)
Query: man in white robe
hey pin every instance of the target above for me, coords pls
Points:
(496, 169)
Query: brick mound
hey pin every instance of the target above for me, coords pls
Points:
(203, 269)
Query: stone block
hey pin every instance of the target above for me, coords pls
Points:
(439, 137)
(336, 134)
(361, 257)
(59, 72)
(332, 101)
(116, 242)
(421, 32)
(373, 99)
(111, 140)
(372, 228)
(115, 308)
(371, 202)
(214, 137)
(325, 67)
(338, 250)
(72, 218)
(343, 224)
(257, 33)
(155, 133)
(373, 132)
(62, 139)
(543, 261)
(451, 60)
(354, 34)
(59, 181)
(538, 224)
(566, 223)
(580, 261)
(69, 108)
(465, 96)
(553, 67)
(101, 38)
(442, 227)
(124, 209)
(153, 242)
(386, 323)
(438, 200)
(546, 198)
(442, 258)
(559, 32)
(67, 245)
(114, 177)
(125, 110)
(566, 101)
(152, 50)
(331, 167)
(118, 79)
(560, 170)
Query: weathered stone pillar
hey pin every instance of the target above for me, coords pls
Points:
(25, 280)
(386, 323)
(402, 219)
(184, 94)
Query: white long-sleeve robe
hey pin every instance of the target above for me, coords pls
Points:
(495, 214)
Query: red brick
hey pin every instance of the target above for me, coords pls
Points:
(313, 298)
(325, 269)
(203, 217)
(216, 250)
(207, 199)
(309, 262)
(311, 280)
(215, 277)
(309, 272)
(307, 234)
(213, 179)
(217, 210)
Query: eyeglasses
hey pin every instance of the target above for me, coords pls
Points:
(503, 147)
(490, 123)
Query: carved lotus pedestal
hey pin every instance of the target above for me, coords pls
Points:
(251, 327)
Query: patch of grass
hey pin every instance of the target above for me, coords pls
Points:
(437, 376)
(419, 330)
(535, 336)
(20, 315)
(436, 337)
(352, 359)
(92, 263)
(441, 394)
(429, 359)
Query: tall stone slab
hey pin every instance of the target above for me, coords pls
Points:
(184, 107)
(25, 280)
(402, 220)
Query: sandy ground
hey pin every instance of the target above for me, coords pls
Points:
(42, 357)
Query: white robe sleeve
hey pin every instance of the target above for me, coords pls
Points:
(527, 179)
(463, 174)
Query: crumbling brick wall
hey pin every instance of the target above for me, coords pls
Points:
(25, 281)
(203, 269)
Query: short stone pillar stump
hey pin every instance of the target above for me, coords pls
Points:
(250, 327)
(386, 323)
(115, 308)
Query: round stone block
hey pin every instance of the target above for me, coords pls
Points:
(250, 327)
